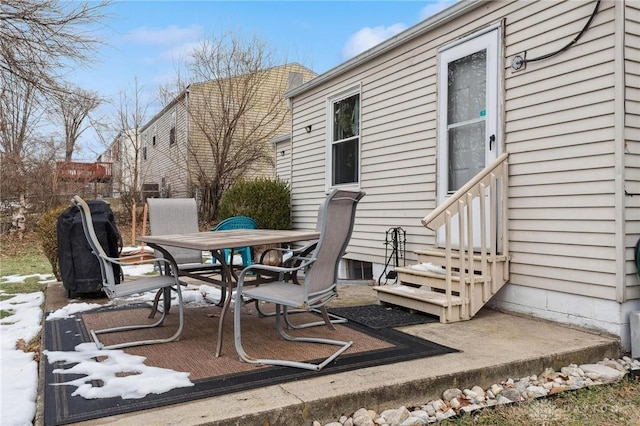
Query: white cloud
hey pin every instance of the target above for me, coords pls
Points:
(434, 7)
(180, 53)
(368, 37)
(172, 35)
(172, 44)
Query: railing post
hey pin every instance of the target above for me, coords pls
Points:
(493, 220)
(486, 289)
(505, 219)
(462, 251)
(470, 294)
(447, 249)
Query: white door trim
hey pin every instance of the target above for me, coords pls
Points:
(488, 39)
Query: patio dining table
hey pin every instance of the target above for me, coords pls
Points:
(215, 242)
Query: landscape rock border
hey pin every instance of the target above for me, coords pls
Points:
(454, 402)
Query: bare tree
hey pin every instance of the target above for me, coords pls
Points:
(18, 120)
(167, 92)
(27, 168)
(235, 112)
(132, 114)
(74, 108)
(41, 39)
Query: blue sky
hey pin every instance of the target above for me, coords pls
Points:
(148, 40)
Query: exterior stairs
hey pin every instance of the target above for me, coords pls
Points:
(424, 287)
(455, 281)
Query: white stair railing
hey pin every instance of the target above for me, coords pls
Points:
(460, 206)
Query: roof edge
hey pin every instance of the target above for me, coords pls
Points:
(418, 29)
(281, 138)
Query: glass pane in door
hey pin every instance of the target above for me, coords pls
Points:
(466, 112)
(466, 154)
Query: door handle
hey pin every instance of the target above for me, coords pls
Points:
(492, 139)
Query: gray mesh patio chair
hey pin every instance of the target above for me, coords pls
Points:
(180, 216)
(337, 216)
(177, 216)
(297, 256)
(125, 289)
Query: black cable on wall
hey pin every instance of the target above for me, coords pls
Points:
(519, 61)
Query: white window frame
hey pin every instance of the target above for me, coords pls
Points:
(173, 126)
(353, 90)
(145, 152)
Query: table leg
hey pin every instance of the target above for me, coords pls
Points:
(226, 277)
(225, 309)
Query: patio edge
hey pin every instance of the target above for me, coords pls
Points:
(418, 391)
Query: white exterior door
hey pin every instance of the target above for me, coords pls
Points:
(468, 117)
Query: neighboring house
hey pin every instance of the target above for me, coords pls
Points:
(418, 117)
(282, 148)
(126, 162)
(178, 142)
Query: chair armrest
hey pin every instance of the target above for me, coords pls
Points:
(308, 248)
(258, 267)
(124, 260)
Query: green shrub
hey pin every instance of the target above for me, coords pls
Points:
(49, 237)
(264, 200)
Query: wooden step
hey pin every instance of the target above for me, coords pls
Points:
(419, 294)
(498, 266)
(426, 301)
(407, 274)
(437, 257)
(440, 254)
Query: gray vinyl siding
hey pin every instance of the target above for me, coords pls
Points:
(283, 160)
(632, 151)
(179, 163)
(165, 161)
(398, 140)
(559, 131)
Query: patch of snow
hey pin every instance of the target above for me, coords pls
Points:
(71, 309)
(140, 379)
(18, 369)
(428, 267)
(42, 278)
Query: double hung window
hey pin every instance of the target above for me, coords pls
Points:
(343, 148)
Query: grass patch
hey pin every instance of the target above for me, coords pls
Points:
(603, 405)
(9, 290)
(32, 263)
(23, 257)
(30, 285)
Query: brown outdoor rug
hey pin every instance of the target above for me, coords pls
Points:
(194, 353)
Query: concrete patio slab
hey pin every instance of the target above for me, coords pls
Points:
(493, 346)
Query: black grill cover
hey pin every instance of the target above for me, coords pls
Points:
(79, 267)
